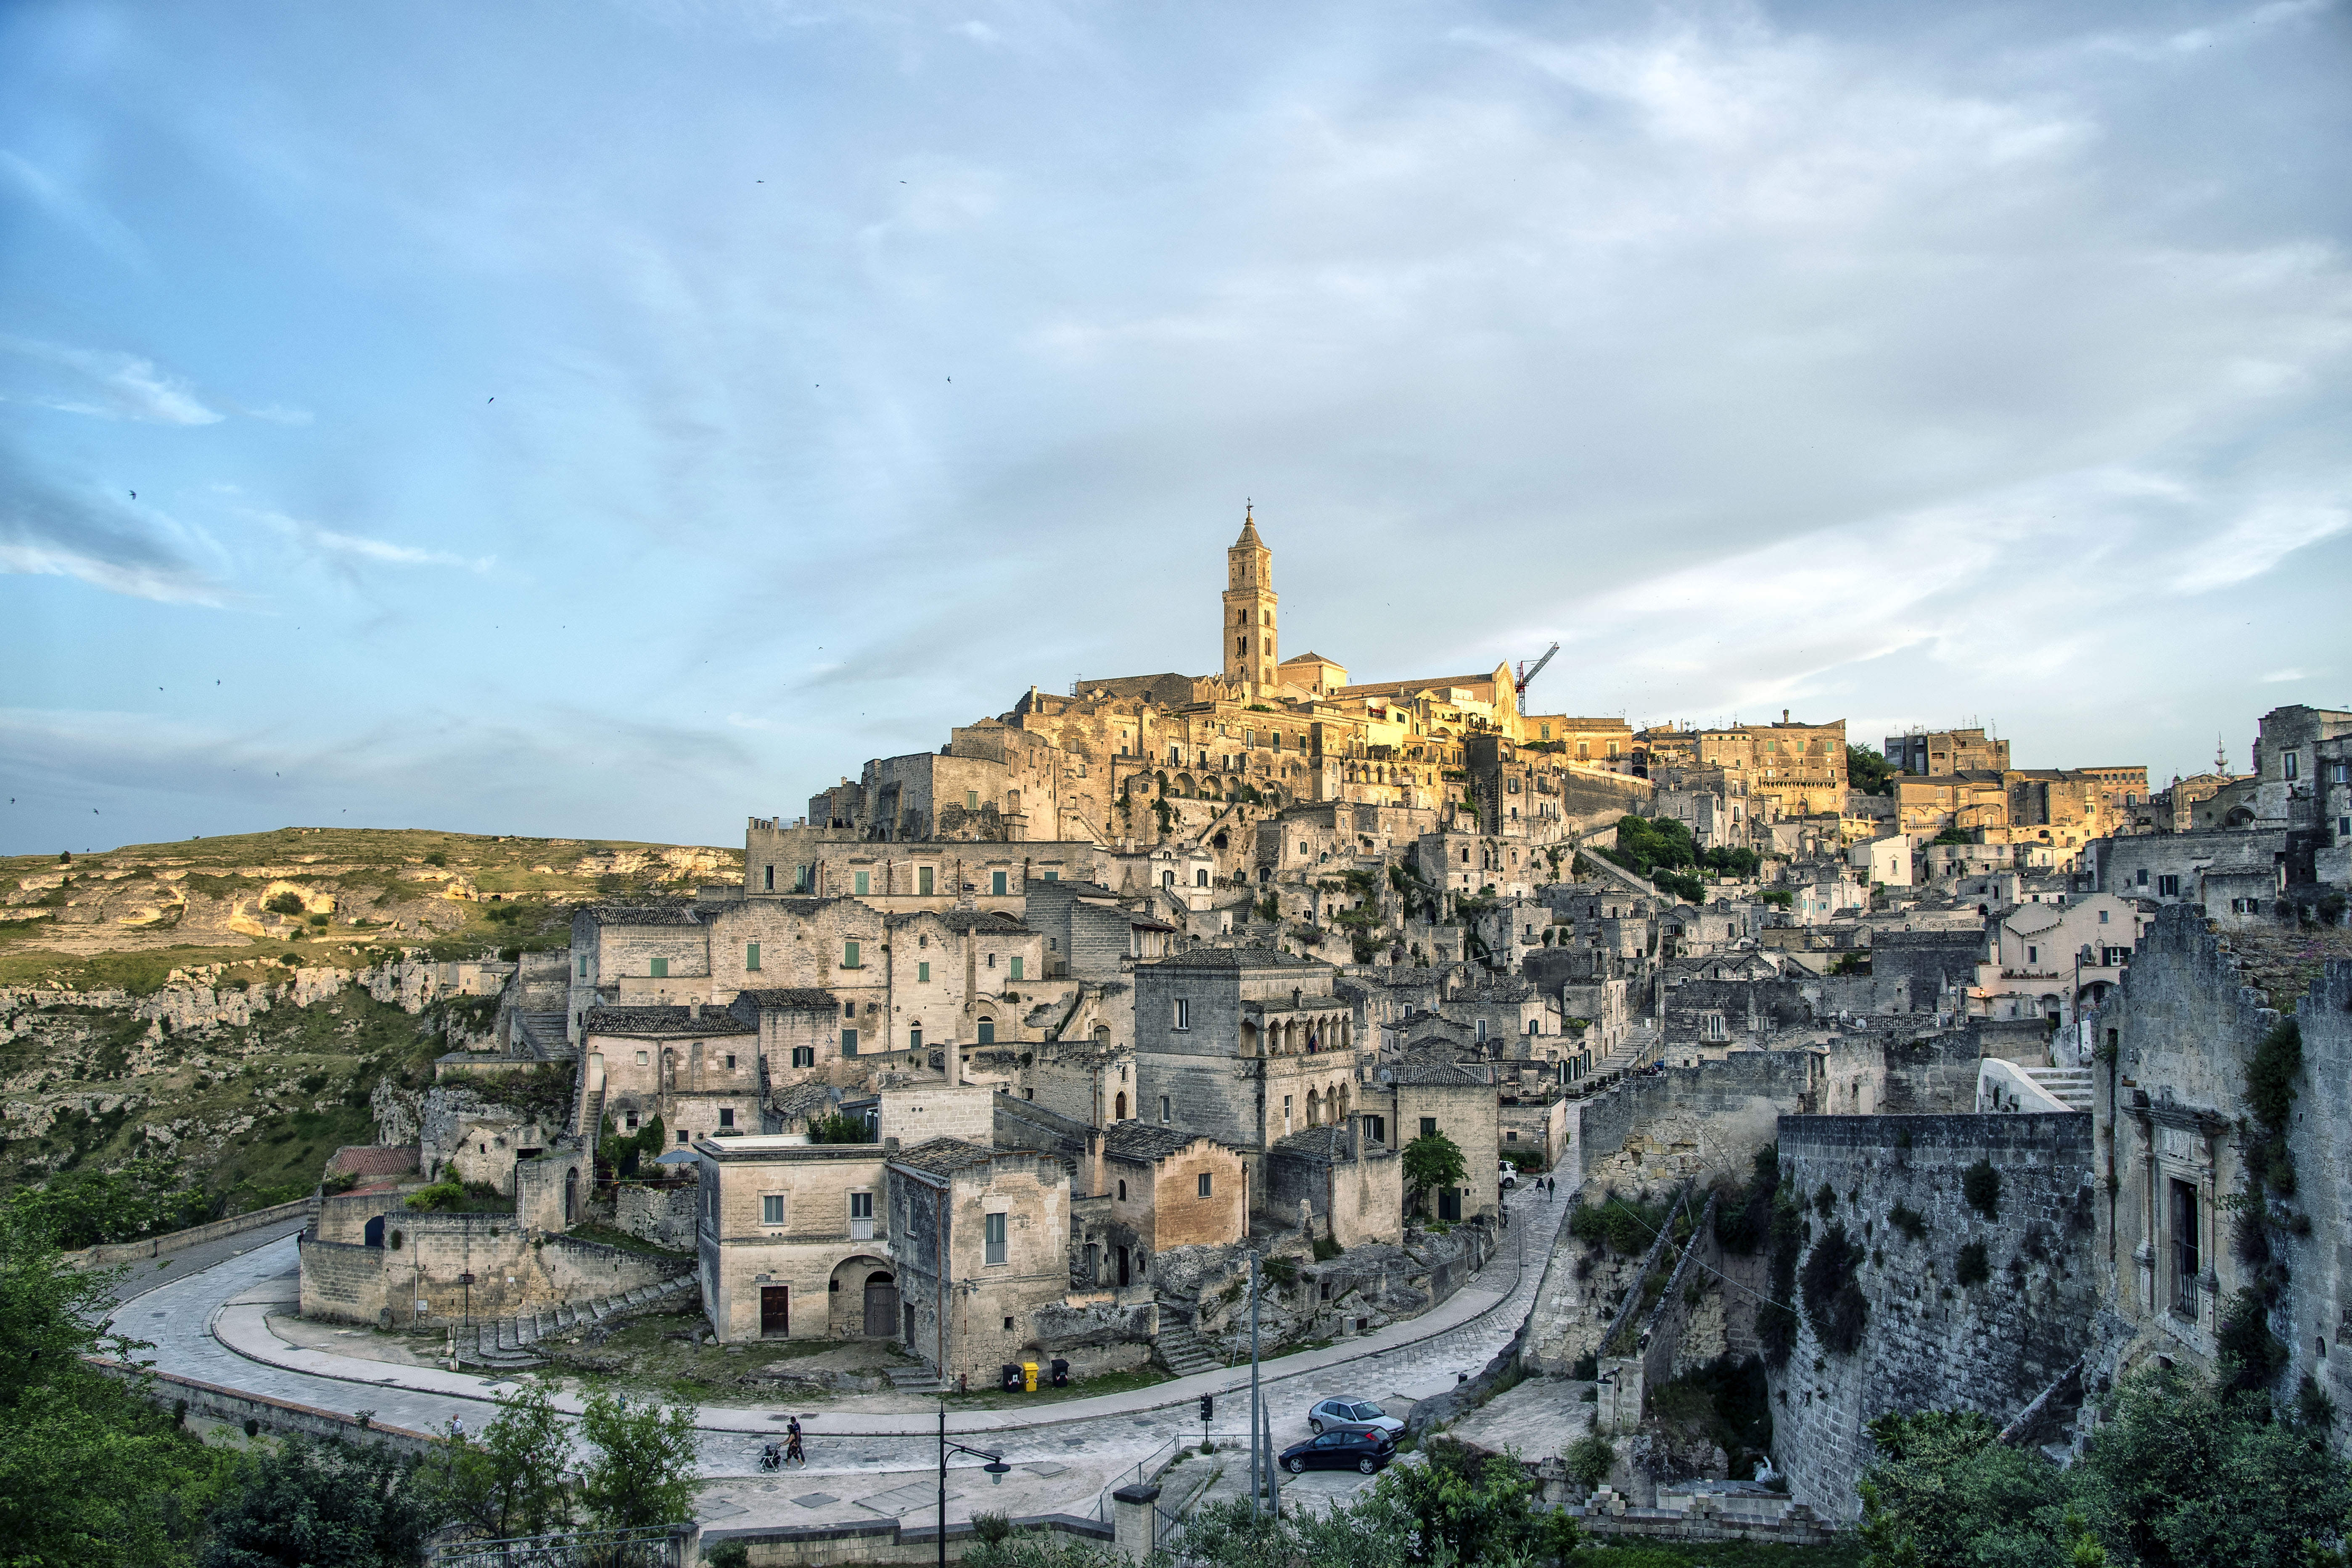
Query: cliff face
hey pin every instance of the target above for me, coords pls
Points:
(249, 1004)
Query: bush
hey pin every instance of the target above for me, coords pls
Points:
(285, 904)
(1909, 1221)
(991, 1529)
(735, 1554)
(1972, 1266)
(1327, 1248)
(1835, 1304)
(1980, 1185)
(1590, 1460)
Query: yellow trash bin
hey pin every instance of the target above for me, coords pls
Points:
(1029, 1374)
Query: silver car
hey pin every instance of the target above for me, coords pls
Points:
(1347, 1415)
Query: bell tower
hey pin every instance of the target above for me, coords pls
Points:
(1251, 643)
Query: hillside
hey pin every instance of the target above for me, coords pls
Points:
(232, 1003)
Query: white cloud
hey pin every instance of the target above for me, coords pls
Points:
(109, 386)
(359, 547)
(2256, 541)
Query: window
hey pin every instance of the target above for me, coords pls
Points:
(1053, 876)
(804, 1056)
(2103, 917)
(683, 1135)
(913, 1037)
(1511, 1136)
(849, 1042)
(2290, 763)
(2339, 772)
(923, 878)
(849, 1009)
(2184, 1248)
(1016, 967)
(923, 972)
(730, 1061)
(992, 961)
(1482, 1031)
(768, 882)
(2142, 878)
(849, 955)
(1163, 1110)
(1122, 1192)
(988, 1031)
(641, 1058)
(2168, 887)
(726, 1117)
(750, 955)
(2032, 954)
(995, 1234)
(864, 882)
(661, 969)
(771, 1209)
(996, 883)
(584, 966)
(1428, 1126)
(1183, 1013)
(861, 1217)
(1205, 1183)
(803, 876)
(971, 800)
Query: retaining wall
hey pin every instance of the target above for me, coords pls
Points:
(1927, 1341)
(173, 1241)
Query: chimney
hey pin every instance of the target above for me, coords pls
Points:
(694, 1011)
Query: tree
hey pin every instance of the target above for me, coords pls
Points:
(86, 1209)
(1432, 1162)
(641, 1470)
(510, 1482)
(1462, 1506)
(1948, 1493)
(326, 1505)
(2188, 1472)
(1869, 772)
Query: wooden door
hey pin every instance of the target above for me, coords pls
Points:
(881, 1306)
(775, 1311)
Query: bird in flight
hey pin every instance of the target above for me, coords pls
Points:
(134, 495)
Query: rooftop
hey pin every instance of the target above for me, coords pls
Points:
(1429, 1072)
(662, 1022)
(1144, 1142)
(1236, 958)
(787, 999)
(678, 914)
(943, 1156)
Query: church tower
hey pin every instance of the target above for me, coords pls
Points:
(1250, 640)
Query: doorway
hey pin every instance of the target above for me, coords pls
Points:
(907, 1311)
(1123, 1277)
(1119, 1106)
(775, 1311)
(881, 1306)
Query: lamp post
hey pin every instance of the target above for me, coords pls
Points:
(996, 1467)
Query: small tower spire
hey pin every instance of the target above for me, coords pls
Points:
(2220, 757)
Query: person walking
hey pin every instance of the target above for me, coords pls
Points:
(793, 1450)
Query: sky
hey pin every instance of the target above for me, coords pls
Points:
(617, 419)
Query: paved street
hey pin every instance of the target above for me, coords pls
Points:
(208, 1322)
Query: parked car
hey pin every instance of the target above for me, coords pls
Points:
(1365, 1451)
(1508, 1173)
(1347, 1415)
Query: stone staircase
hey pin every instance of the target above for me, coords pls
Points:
(2072, 1085)
(588, 1118)
(1181, 1349)
(508, 1342)
(912, 1377)
(545, 1034)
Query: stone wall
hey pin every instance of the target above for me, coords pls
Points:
(1927, 1341)
(663, 1215)
(422, 1257)
(1677, 1122)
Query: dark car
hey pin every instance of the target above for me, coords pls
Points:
(1362, 1450)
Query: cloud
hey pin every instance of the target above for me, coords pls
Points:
(2258, 541)
(108, 384)
(51, 530)
(358, 547)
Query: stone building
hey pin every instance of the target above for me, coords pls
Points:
(695, 1067)
(790, 1239)
(1421, 1094)
(1154, 1188)
(1939, 753)
(1346, 1183)
(982, 1242)
(1243, 1044)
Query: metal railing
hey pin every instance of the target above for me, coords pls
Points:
(655, 1546)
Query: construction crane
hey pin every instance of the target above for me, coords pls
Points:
(1525, 675)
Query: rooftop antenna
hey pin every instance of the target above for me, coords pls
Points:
(2221, 755)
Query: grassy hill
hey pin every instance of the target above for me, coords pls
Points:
(179, 1001)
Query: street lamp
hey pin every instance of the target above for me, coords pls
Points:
(996, 1467)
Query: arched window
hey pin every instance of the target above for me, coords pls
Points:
(1119, 1106)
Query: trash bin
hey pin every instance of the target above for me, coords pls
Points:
(1061, 1372)
(1029, 1376)
(1008, 1377)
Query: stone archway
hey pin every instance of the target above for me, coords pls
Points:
(863, 1299)
(1119, 1106)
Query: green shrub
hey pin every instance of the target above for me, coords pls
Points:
(1909, 1221)
(285, 904)
(1972, 1268)
(1590, 1460)
(1980, 1185)
(1327, 1248)
(1835, 1304)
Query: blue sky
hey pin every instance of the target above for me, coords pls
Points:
(617, 419)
